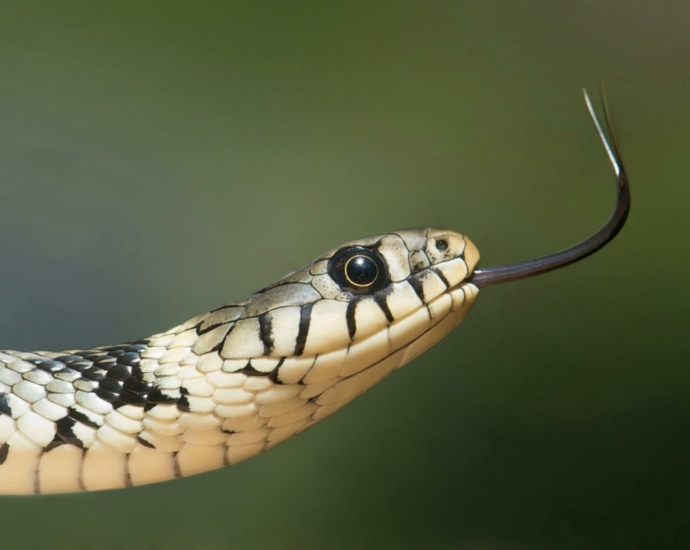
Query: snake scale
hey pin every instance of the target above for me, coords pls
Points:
(249, 375)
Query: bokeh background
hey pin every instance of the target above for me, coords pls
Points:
(159, 159)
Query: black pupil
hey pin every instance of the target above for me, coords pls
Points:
(441, 245)
(361, 271)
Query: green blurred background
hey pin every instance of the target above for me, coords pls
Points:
(159, 159)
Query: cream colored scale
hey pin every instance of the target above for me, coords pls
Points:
(240, 380)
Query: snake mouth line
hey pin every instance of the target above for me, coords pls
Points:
(464, 283)
(360, 355)
(396, 345)
(469, 291)
(447, 309)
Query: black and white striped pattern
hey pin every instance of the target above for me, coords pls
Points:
(230, 383)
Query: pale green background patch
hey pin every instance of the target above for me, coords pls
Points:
(159, 159)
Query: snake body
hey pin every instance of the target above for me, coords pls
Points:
(236, 381)
(247, 376)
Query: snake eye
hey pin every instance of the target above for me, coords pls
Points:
(359, 270)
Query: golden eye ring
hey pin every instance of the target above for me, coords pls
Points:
(361, 271)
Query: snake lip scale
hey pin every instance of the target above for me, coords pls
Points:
(241, 379)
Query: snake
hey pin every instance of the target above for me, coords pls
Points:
(245, 377)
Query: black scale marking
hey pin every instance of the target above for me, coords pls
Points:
(350, 317)
(119, 379)
(64, 431)
(115, 369)
(144, 442)
(303, 330)
(417, 286)
(183, 404)
(249, 370)
(266, 333)
(56, 442)
(381, 300)
(4, 405)
(441, 276)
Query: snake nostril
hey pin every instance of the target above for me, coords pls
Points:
(441, 244)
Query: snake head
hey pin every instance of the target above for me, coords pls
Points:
(363, 288)
(374, 282)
